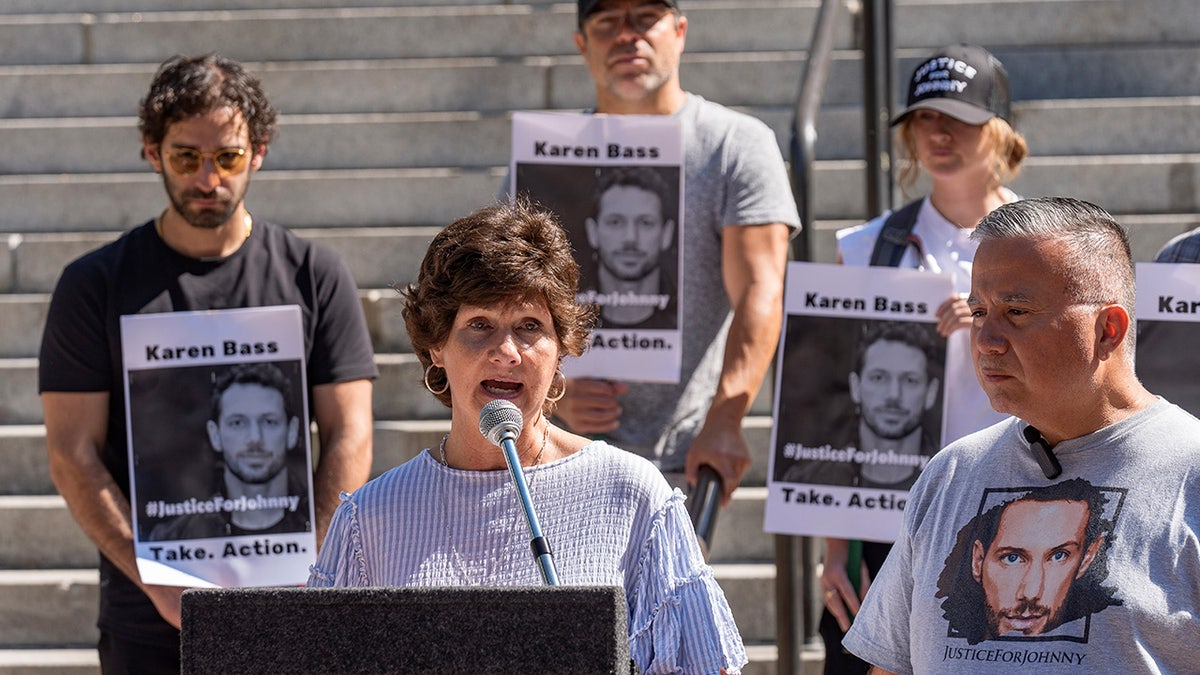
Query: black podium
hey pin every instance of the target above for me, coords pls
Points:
(560, 629)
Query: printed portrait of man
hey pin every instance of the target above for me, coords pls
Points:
(254, 433)
(1029, 567)
(632, 236)
(894, 386)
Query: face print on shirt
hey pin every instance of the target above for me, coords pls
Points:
(1031, 565)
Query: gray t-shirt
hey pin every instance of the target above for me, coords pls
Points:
(998, 569)
(734, 175)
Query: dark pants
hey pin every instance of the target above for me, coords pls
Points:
(838, 661)
(119, 656)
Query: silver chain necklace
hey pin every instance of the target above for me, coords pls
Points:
(461, 565)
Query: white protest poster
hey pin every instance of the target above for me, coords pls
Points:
(615, 182)
(1168, 332)
(858, 398)
(217, 417)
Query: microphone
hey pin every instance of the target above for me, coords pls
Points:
(500, 422)
(1042, 452)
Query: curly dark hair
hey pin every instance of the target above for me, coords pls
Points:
(187, 86)
(500, 254)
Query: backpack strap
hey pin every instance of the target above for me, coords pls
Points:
(893, 237)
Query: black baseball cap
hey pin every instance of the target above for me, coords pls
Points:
(586, 7)
(963, 81)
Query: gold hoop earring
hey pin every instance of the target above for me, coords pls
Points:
(562, 392)
(428, 386)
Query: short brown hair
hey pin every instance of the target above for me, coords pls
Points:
(500, 254)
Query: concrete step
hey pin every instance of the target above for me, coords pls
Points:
(359, 197)
(517, 30)
(750, 590)
(383, 257)
(398, 391)
(19, 403)
(379, 259)
(84, 661)
(39, 532)
(468, 139)
(926, 24)
(25, 313)
(78, 661)
(25, 471)
(48, 607)
(334, 141)
(1147, 234)
(55, 608)
(86, 6)
(764, 78)
(1150, 184)
(20, 336)
(353, 33)
(397, 441)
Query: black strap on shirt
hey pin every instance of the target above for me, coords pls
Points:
(894, 238)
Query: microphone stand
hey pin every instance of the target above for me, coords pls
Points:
(541, 548)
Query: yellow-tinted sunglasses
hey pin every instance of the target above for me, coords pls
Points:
(227, 161)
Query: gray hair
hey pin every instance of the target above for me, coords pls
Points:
(1098, 266)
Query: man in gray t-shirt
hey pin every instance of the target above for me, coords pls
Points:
(1064, 539)
(738, 217)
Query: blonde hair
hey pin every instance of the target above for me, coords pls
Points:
(1008, 151)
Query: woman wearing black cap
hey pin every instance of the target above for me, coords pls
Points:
(957, 128)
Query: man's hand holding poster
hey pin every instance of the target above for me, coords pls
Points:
(217, 413)
(616, 185)
(858, 398)
(1168, 320)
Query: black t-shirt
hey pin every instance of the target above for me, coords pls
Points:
(139, 274)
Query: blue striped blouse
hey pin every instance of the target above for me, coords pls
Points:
(609, 516)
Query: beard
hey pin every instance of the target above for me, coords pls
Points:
(645, 267)
(909, 424)
(255, 473)
(1024, 606)
(208, 219)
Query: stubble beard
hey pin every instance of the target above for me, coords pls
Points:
(206, 219)
(645, 269)
(881, 431)
(1052, 618)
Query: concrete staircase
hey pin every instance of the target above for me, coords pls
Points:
(395, 122)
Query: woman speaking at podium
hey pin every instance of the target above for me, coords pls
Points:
(491, 316)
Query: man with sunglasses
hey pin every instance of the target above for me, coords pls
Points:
(205, 126)
(738, 217)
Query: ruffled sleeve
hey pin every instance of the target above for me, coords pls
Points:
(340, 562)
(679, 620)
